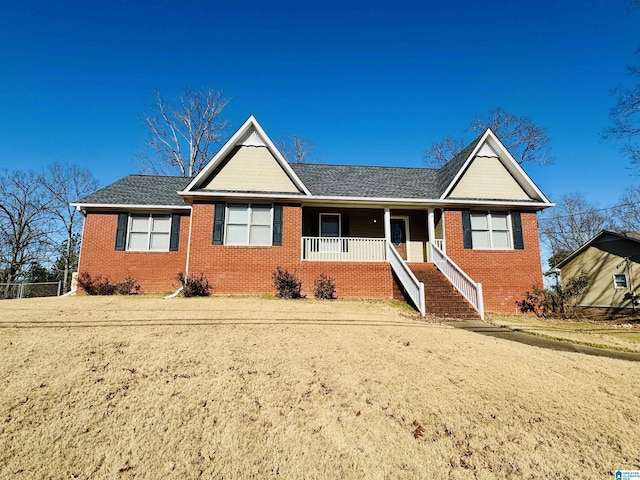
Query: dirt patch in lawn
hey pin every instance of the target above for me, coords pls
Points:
(143, 387)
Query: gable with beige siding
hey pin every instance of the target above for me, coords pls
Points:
(487, 177)
(251, 169)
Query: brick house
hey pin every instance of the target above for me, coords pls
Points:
(453, 241)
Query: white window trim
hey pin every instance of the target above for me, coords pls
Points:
(339, 215)
(248, 224)
(615, 284)
(149, 232)
(490, 227)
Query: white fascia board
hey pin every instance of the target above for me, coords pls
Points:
(381, 201)
(231, 143)
(453, 182)
(281, 160)
(123, 206)
(512, 166)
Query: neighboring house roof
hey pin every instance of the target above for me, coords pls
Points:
(360, 181)
(623, 234)
(140, 190)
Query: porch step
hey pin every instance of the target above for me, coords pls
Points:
(442, 298)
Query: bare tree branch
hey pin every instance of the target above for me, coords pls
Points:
(192, 125)
(440, 153)
(524, 140)
(295, 148)
(575, 221)
(63, 185)
(625, 117)
(24, 223)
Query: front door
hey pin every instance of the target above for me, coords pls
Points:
(399, 236)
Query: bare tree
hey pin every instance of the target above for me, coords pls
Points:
(24, 223)
(524, 140)
(65, 184)
(440, 153)
(626, 214)
(183, 134)
(625, 117)
(574, 222)
(295, 148)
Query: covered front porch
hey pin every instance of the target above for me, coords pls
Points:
(361, 234)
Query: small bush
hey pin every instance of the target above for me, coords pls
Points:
(533, 302)
(128, 286)
(194, 286)
(324, 287)
(100, 285)
(287, 284)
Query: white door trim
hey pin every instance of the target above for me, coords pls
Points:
(407, 232)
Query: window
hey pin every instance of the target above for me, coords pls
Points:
(248, 224)
(329, 224)
(619, 280)
(149, 232)
(491, 230)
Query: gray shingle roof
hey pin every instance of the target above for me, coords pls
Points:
(320, 179)
(360, 181)
(141, 190)
(448, 171)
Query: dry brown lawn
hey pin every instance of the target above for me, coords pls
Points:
(230, 388)
(615, 335)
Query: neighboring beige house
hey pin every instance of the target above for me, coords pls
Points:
(611, 259)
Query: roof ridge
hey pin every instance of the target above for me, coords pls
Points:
(363, 166)
(156, 176)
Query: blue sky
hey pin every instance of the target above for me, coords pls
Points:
(369, 83)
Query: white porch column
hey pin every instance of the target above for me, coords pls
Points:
(431, 230)
(387, 225)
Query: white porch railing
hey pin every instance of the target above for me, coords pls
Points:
(439, 242)
(413, 287)
(469, 289)
(343, 249)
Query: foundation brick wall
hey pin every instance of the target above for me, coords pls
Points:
(505, 274)
(154, 271)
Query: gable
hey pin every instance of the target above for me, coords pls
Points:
(250, 168)
(487, 177)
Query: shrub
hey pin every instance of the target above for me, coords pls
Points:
(194, 285)
(287, 284)
(533, 302)
(324, 287)
(100, 285)
(96, 285)
(562, 298)
(128, 286)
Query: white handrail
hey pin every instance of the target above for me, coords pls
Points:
(343, 249)
(413, 287)
(469, 289)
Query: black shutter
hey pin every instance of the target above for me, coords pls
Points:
(218, 224)
(121, 231)
(277, 225)
(516, 221)
(466, 229)
(174, 241)
(345, 226)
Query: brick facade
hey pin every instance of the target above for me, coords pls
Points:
(230, 269)
(155, 271)
(505, 274)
